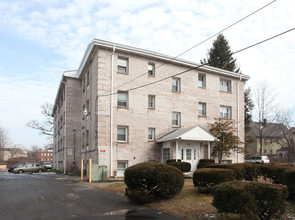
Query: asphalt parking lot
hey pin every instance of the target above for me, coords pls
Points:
(51, 196)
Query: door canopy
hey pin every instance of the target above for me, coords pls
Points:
(190, 134)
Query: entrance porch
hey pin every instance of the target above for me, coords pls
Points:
(187, 144)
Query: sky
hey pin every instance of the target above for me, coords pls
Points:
(41, 39)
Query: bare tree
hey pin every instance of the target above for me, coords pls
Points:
(285, 120)
(45, 127)
(4, 141)
(264, 98)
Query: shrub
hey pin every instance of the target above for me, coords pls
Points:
(206, 178)
(272, 172)
(204, 162)
(288, 179)
(183, 166)
(149, 181)
(173, 160)
(251, 199)
(242, 171)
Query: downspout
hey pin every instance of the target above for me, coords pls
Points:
(65, 142)
(238, 113)
(111, 113)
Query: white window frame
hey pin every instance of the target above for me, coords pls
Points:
(176, 117)
(175, 84)
(225, 85)
(121, 100)
(151, 134)
(202, 109)
(125, 133)
(202, 82)
(151, 101)
(166, 155)
(119, 169)
(123, 65)
(225, 112)
(151, 69)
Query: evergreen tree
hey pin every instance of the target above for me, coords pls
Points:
(220, 56)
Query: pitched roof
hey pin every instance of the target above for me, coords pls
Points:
(192, 134)
(271, 130)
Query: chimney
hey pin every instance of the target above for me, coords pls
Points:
(264, 122)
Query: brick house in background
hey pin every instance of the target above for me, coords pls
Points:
(121, 107)
(45, 156)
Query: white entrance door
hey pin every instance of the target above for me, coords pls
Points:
(190, 155)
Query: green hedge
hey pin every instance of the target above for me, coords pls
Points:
(250, 199)
(150, 181)
(205, 162)
(206, 178)
(183, 166)
(272, 172)
(242, 171)
(288, 179)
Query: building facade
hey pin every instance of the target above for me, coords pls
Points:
(126, 105)
(45, 156)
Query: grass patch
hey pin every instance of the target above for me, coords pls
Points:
(189, 203)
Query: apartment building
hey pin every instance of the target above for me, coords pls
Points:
(126, 105)
(45, 156)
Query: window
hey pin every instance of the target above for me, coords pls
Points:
(151, 69)
(122, 99)
(88, 79)
(175, 84)
(151, 134)
(176, 119)
(202, 109)
(122, 133)
(121, 167)
(225, 85)
(225, 112)
(166, 154)
(202, 80)
(188, 154)
(122, 65)
(151, 101)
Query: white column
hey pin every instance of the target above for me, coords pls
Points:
(209, 153)
(176, 148)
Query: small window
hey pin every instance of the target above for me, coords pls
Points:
(176, 119)
(122, 99)
(175, 84)
(225, 85)
(225, 112)
(188, 154)
(151, 134)
(202, 109)
(202, 80)
(166, 154)
(151, 101)
(121, 167)
(122, 133)
(151, 69)
(122, 65)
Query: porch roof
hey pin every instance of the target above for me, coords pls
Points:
(191, 134)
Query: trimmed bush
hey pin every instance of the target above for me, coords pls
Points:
(173, 160)
(204, 162)
(251, 199)
(242, 171)
(206, 178)
(183, 166)
(288, 179)
(272, 172)
(150, 181)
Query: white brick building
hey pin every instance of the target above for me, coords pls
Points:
(120, 107)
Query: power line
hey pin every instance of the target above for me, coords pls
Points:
(240, 20)
(201, 65)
